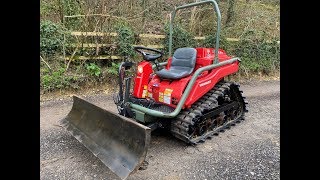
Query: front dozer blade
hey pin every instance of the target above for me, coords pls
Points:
(120, 143)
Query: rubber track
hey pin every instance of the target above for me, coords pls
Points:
(186, 118)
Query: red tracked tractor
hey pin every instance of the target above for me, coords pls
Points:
(188, 95)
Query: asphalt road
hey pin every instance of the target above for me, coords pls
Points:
(249, 150)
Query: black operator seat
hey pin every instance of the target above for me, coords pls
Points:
(182, 64)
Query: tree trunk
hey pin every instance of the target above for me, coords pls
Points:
(61, 13)
(230, 12)
(144, 2)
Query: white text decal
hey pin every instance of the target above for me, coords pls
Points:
(205, 83)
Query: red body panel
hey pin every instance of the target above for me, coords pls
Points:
(170, 92)
(160, 91)
(142, 79)
(169, 63)
(206, 83)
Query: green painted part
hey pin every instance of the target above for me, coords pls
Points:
(216, 8)
(173, 14)
(149, 119)
(184, 95)
(161, 64)
(139, 115)
(143, 117)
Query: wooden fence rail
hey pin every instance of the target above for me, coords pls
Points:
(102, 34)
(151, 36)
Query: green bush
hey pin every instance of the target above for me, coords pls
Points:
(210, 42)
(257, 54)
(125, 41)
(51, 38)
(49, 9)
(56, 80)
(93, 69)
(180, 38)
(114, 69)
(73, 7)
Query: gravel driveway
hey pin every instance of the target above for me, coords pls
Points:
(249, 150)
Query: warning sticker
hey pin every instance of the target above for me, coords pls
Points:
(160, 97)
(167, 96)
(167, 99)
(167, 92)
(144, 93)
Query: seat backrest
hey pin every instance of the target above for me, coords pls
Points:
(184, 57)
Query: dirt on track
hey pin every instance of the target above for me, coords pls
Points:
(249, 150)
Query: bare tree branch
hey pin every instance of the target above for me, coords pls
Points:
(46, 63)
